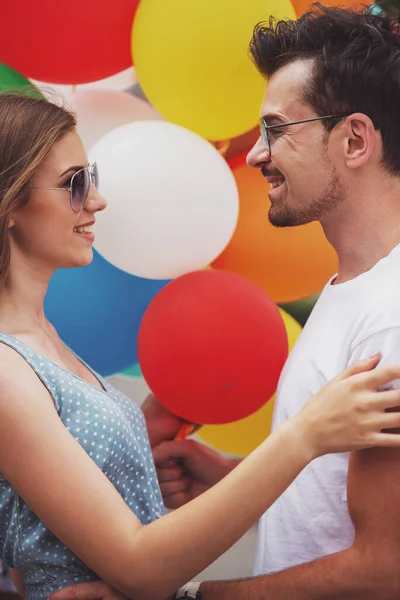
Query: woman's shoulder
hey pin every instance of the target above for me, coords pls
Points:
(17, 378)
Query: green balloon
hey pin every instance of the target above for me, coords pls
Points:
(133, 371)
(13, 82)
(301, 309)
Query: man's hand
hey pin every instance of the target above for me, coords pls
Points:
(162, 425)
(186, 469)
(94, 590)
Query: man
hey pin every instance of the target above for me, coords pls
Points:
(330, 150)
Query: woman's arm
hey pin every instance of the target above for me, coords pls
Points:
(76, 501)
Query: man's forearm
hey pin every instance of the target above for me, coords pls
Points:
(349, 575)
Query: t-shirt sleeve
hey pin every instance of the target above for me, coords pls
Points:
(387, 342)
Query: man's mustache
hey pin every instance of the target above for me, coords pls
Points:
(270, 173)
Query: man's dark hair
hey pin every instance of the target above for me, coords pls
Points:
(356, 65)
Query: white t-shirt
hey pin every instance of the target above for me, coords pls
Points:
(351, 320)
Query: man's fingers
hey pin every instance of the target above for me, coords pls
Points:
(164, 463)
(176, 500)
(95, 590)
(174, 487)
(167, 451)
(172, 474)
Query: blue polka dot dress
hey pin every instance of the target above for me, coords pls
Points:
(112, 430)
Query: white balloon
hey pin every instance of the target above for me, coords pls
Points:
(173, 202)
(100, 111)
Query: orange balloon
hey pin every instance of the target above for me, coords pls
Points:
(288, 263)
(301, 6)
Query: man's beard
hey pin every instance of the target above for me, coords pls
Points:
(282, 215)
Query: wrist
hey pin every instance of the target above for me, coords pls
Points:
(190, 591)
(301, 438)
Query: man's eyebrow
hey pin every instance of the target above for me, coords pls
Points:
(272, 117)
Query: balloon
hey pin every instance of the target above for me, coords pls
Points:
(11, 81)
(211, 346)
(132, 371)
(301, 309)
(242, 437)
(375, 9)
(288, 263)
(240, 146)
(191, 59)
(301, 6)
(173, 202)
(74, 42)
(97, 311)
(100, 111)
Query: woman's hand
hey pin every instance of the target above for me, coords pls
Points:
(350, 413)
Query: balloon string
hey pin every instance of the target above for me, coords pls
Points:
(223, 146)
(185, 430)
(74, 88)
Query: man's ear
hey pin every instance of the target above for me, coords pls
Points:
(360, 140)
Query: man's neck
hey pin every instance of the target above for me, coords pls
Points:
(362, 239)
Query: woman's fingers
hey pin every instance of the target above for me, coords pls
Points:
(385, 440)
(382, 375)
(360, 366)
(385, 400)
(365, 376)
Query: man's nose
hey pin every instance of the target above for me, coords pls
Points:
(258, 155)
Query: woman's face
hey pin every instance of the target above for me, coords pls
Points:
(46, 231)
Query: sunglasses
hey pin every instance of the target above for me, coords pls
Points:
(80, 186)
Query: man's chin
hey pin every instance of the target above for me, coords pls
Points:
(279, 218)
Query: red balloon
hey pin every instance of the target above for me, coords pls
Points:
(67, 42)
(211, 346)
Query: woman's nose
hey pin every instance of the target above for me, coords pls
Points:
(95, 202)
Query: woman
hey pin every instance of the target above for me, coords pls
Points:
(79, 497)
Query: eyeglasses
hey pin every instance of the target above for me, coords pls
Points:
(269, 132)
(80, 186)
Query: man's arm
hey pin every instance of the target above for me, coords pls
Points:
(368, 570)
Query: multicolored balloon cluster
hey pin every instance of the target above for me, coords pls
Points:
(180, 197)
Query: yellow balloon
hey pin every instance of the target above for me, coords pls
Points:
(191, 60)
(242, 437)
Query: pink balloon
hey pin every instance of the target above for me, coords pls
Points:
(100, 111)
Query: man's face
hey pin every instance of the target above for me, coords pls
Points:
(301, 168)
